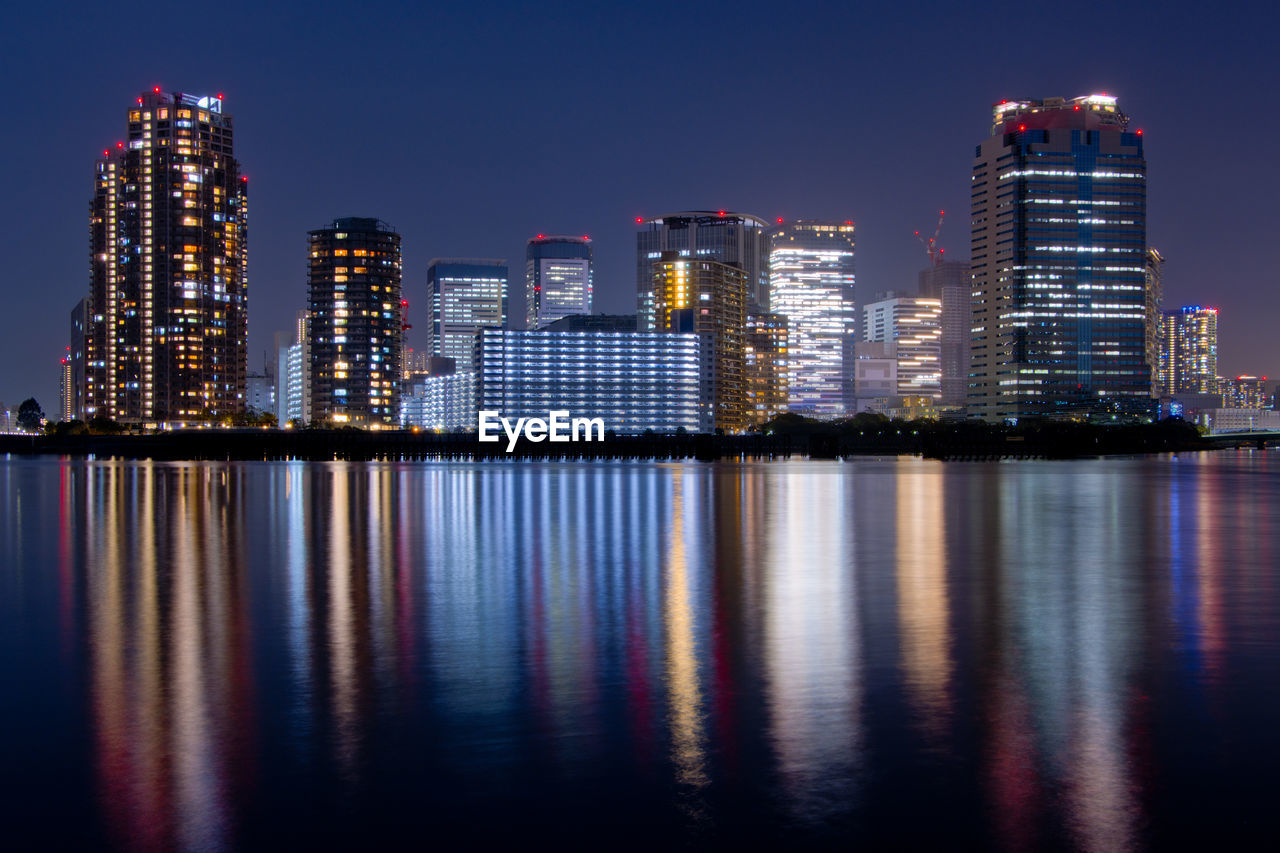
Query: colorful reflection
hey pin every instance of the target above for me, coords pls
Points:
(740, 651)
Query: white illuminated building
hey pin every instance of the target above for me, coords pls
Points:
(811, 283)
(914, 325)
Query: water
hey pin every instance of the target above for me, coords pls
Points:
(897, 653)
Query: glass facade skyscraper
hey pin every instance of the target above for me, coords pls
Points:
(355, 323)
(167, 319)
(811, 283)
(737, 239)
(558, 279)
(464, 295)
(634, 381)
(1058, 255)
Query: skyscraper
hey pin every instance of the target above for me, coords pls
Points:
(1155, 320)
(167, 327)
(948, 282)
(558, 279)
(766, 350)
(738, 239)
(708, 298)
(355, 322)
(1188, 362)
(465, 296)
(1058, 255)
(811, 283)
(913, 324)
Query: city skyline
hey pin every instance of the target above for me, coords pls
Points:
(479, 194)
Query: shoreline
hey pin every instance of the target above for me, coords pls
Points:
(812, 440)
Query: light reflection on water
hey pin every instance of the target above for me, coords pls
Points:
(1016, 655)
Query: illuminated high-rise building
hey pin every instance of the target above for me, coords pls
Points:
(558, 279)
(811, 284)
(913, 324)
(167, 319)
(948, 282)
(766, 351)
(1059, 260)
(465, 295)
(708, 298)
(1155, 319)
(355, 323)
(737, 239)
(1188, 362)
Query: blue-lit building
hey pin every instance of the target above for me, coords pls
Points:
(445, 402)
(1059, 261)
(464, 295)
(558, 279)
(634, 381)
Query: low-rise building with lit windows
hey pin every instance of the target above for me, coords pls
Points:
(444, 402)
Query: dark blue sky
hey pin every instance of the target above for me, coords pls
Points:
(471, 127)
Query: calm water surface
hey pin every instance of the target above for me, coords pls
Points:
(1073, 655)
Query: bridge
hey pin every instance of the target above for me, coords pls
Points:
(1258, 438)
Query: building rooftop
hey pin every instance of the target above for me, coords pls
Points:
(1087, 112)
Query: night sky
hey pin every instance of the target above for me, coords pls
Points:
(474, 126)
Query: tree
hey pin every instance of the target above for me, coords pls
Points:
(30, 415)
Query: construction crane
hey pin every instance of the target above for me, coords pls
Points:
(931, 247)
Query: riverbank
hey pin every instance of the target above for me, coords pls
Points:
(787, 438)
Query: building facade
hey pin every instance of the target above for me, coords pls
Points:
(558, 279)
(738, 239)
(1188, 360)
(464, 295)
(812, 285)
(633, 381)
(1058, 255)
(948, 282)
(913, 324)
(709, 299)
(293, 374)
(1246, 392)
(445, 403)
(766, 353)
(167, 314)
(355, 323)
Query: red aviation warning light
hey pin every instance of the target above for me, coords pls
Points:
(156, 89)
(1021, 128)
(779, 220)
(639, 219)
(119, 144)
(722, 213)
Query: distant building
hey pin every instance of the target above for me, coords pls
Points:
(594, 323)
(708, 298)
(811, 284)
(1240, 419)
(1246, 392)
(737, 239)
(875, 375)
(914, 325)
(260, 394)
(293, 375)
(766, 351)
(1059, 260)
(634, 381)
(1155, 319)
(465, 295)
(66, 390)
(1188, 358)
(445, 402)
(356, 322)
(558, 279)
(948, 282)
(76, 355)
(167, 333)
